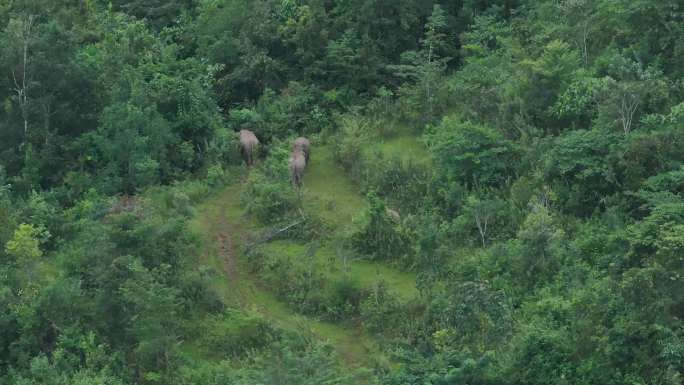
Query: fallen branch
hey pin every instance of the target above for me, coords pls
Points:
(268, 235)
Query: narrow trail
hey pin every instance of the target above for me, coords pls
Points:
(223, 236)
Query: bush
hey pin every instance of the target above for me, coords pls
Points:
(381, 311)
(267, 200)
(348, 146)
(379, 236)
(215, 175)
(343, 299)
(301, 283)
(224, 147)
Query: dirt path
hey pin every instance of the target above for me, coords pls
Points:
(227, 230)
(223, 234)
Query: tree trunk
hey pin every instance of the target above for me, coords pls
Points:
(24, 36)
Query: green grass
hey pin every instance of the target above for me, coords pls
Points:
(407, 148)
(329, 192)
(402, 142)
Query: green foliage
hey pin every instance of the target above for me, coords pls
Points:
(471, 314)
(25, 244)
(471, 154)
(543, 218)
(486, 213)
(380, 236)
(381, 311)
(425, 67)
(215, 175)
(157, 12)
(580, 167)
(301, 282)
(541, 243)
(269, 195)
(77, 359)
(310, 365)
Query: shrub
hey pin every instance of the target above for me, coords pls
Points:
(268, 200)
(224, 147)
(215, 175)
(348, 145)
(381, 311)
(379, 236)
(343, 299)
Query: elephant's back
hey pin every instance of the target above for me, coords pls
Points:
(248, 139)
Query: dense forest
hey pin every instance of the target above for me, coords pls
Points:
(493, 195)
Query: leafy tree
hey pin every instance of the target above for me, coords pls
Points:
(426, 66)
(580, 165)
(629, 89)
(153, 314)
(472, 314)
(483, 212)
(472, 154)
(25, 246)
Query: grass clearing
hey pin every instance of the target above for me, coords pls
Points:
(352, 345)
(406, 148)
(328, 192)
(402, 142)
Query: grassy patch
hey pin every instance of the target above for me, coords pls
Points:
(328, 192)
(406, 148)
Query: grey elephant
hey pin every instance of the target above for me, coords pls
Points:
(303, 144)
(248, 145)
(297, 166)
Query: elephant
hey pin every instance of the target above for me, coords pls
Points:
(297, 166)
(248, 146)
(304, 145)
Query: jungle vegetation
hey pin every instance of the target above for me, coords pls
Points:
(531, 151)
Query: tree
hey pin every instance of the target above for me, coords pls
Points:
(658, 238)
(471, 154)
(471, 314)
(21, 32)
(159, 13)
(483, 211)
(629, 88)
(427, 66)
(25, 246)
(541, 239)
(153, 320)
(379, 237)
(581, 166)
